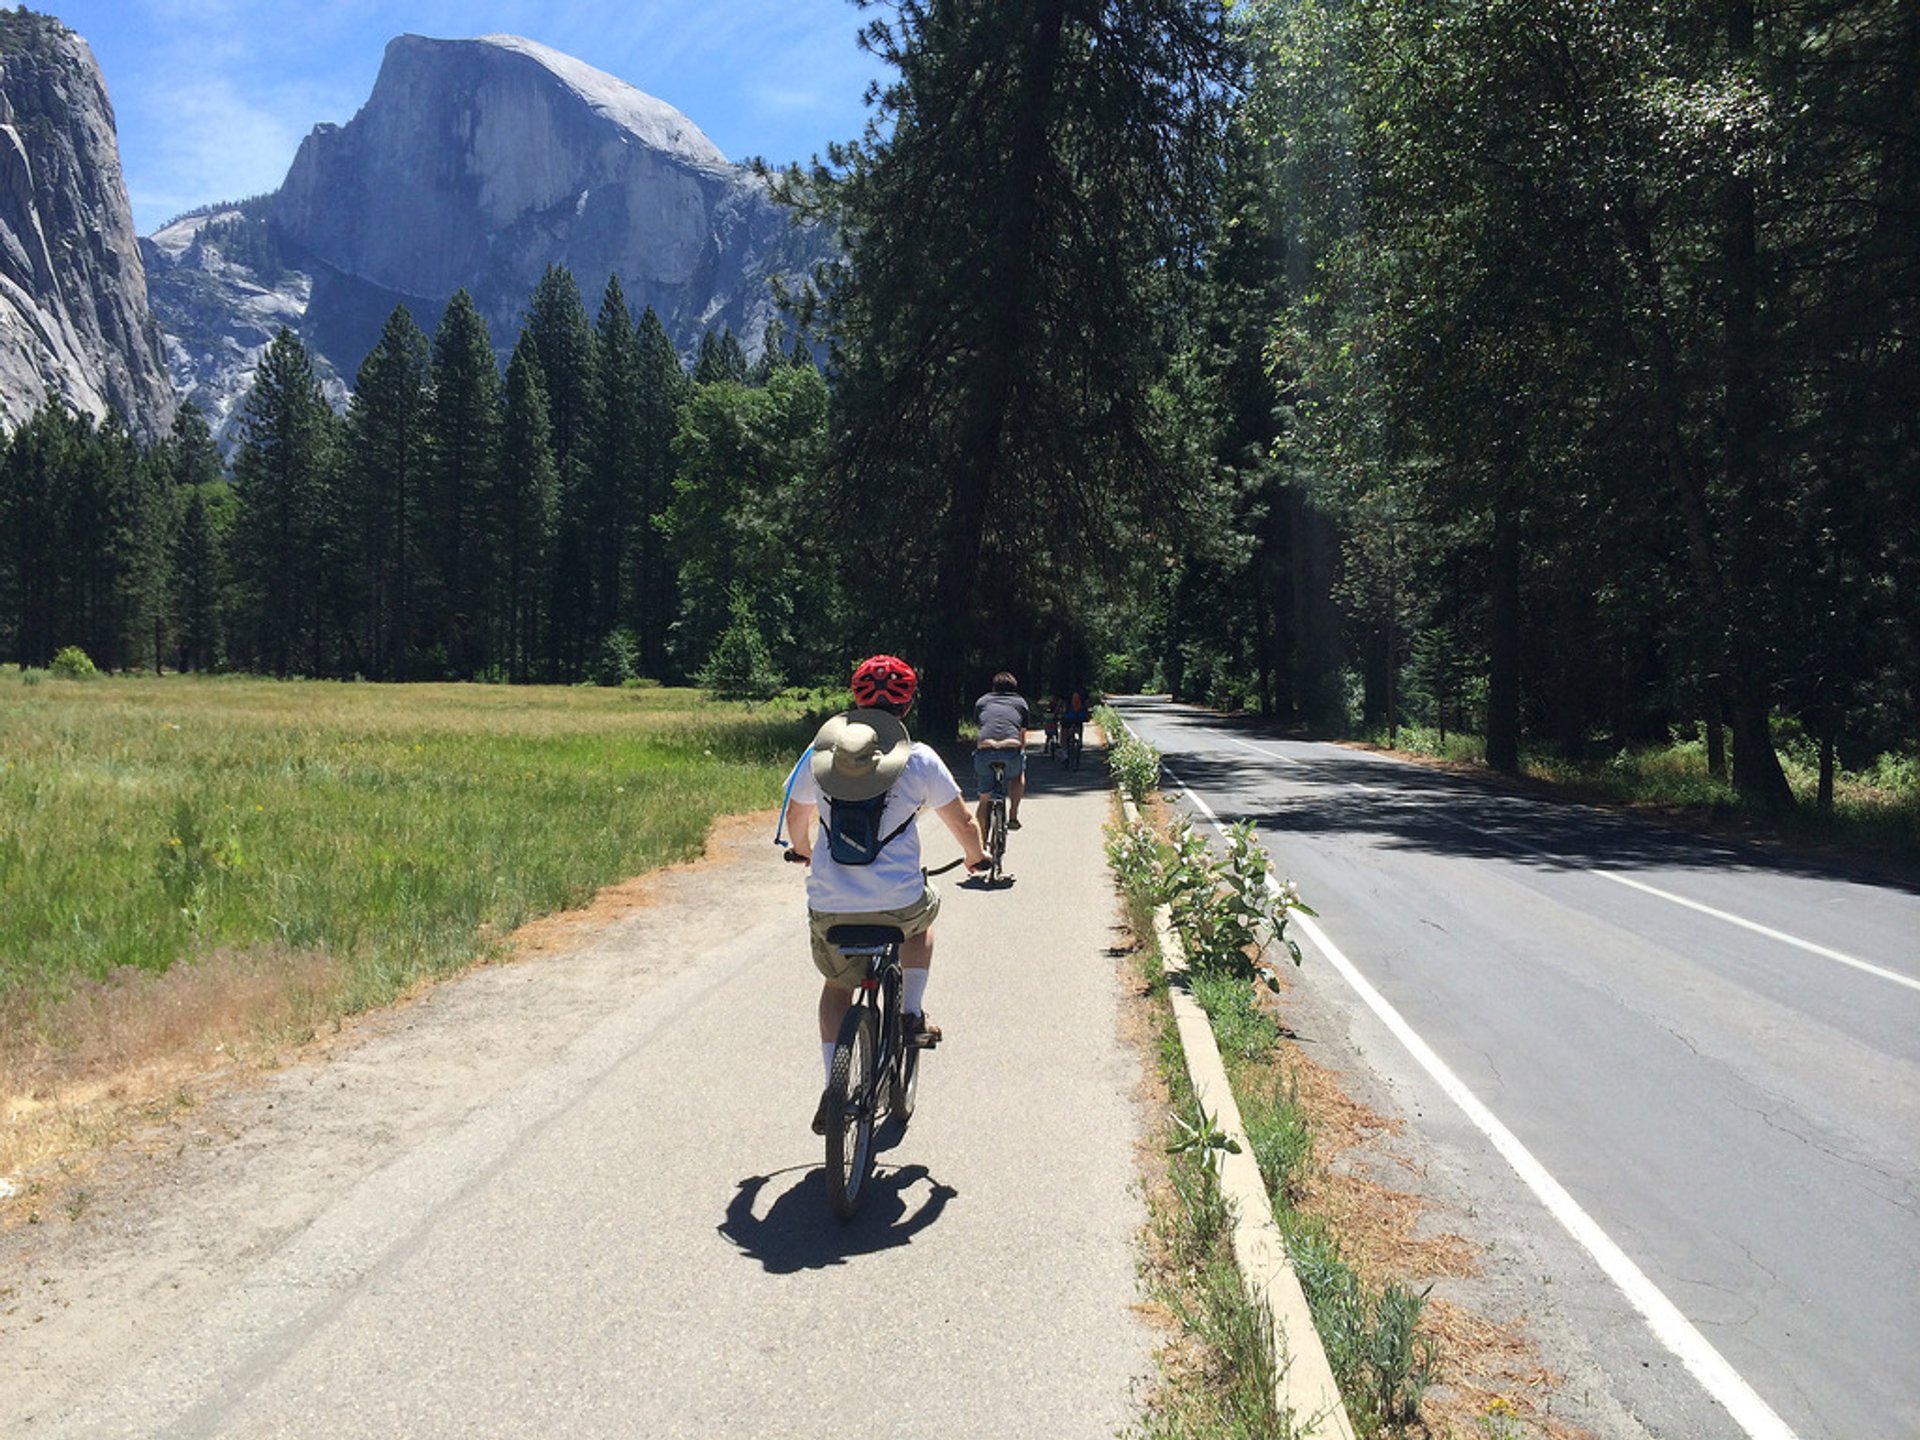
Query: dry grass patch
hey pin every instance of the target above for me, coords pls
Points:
(80, 1073)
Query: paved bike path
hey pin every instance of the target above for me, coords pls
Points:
(628, 1235)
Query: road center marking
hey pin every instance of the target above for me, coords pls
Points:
(1663, 1317)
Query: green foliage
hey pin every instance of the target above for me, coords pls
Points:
(193, 861)
(1202, 1136)
(1281, 1138)
(286, 524)
(1243, 1032)
(1018, 216)
(744, 521)
(70, 662)
(1381, 1364)
(1226, 909)
(1132, 762)
(618, 659)
(741, 666)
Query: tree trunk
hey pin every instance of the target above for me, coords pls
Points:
(1756, 768)
(1503, 646)
(1825, 799)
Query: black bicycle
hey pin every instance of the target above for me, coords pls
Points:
(876, 1070)
(996, 836)
(1070, 743)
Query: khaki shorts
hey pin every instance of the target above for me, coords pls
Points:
(847, 972)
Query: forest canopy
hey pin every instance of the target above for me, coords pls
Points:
(1543, 371)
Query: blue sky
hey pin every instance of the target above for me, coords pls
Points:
(212, 97)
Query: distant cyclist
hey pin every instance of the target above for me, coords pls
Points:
(1074, 716)
(1003, 718)
(856, 800)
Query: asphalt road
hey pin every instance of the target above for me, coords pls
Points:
(1659, 1071)
(578, 1196)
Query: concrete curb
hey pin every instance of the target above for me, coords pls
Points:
(1304, 1386)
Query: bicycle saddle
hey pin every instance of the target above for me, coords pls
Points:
(865, 935)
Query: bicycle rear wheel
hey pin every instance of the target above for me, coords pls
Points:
(996, 837)
(854, 1088)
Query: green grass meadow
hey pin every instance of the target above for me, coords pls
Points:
(395, 829)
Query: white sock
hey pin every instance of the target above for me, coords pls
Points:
(826, 1057)
(913, 991)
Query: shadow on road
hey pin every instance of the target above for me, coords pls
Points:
(799, 1232)
(1336, 791)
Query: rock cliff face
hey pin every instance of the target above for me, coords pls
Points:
(74, 320)
(475, 164)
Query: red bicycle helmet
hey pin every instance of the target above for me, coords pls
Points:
(884, 682)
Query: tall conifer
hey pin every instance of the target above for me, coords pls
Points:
(464, 471)
(279, 541)
(384, 509)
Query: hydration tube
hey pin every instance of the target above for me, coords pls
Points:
(781, 823)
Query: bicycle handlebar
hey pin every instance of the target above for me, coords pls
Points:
(794, 857)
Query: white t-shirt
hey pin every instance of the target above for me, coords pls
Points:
(893, 880)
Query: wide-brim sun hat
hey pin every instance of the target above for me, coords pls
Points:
(858, 755)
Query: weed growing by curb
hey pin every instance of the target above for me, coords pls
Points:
(1228, 916)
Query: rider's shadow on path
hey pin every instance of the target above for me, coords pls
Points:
(799, 1232)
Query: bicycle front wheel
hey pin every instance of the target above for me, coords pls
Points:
(850, 1109)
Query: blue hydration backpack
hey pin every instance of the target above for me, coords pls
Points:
(853, 828)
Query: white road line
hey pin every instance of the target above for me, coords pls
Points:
(1268, 754)
(1812, 947)
(1663, 1317)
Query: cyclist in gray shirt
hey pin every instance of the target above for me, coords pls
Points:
(1003, 717)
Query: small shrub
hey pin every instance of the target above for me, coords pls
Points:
(1133, 762)
(73, 663)
(29, 675)
(618, 659)
(741, 666)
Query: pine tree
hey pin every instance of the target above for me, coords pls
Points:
(1033, 181)
(463, 473)
(384, 508)
(193, 457)
(525, 516)
(195, 586)
(721, 358)
(45, 460)
(613, 502)
(664, 387)
(563, 343)
(282, 532)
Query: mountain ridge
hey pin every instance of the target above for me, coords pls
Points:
(473, 164)
(75, 322)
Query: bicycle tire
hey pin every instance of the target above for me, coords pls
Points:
(850, 1112)
(906, 1084)
(903, 1061)
(996, 838)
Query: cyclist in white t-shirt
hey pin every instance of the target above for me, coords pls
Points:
(858, 757)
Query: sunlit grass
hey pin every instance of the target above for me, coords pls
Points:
(144, 822)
